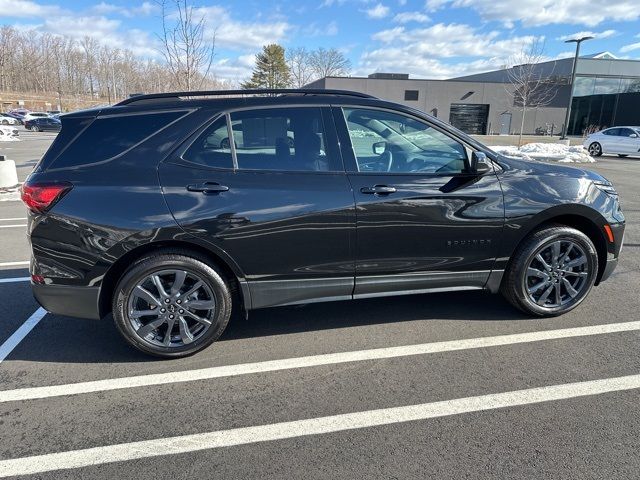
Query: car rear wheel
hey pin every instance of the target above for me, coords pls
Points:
(552, 271)
(595, 149)
(5, 122)
(35, 129)
(171, 305)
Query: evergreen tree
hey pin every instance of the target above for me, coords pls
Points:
(271, 70)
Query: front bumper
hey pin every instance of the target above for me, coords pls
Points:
(68, 300)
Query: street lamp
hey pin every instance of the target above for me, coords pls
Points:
(577, 41)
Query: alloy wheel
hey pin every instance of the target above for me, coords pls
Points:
(171, 308)
(594, 149)
(557, 274)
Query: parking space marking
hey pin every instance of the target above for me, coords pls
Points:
(14, 279)
(311, 426)
(13, 226)
(14, 264)
(12, 342)
(32, 393)
(16, 219)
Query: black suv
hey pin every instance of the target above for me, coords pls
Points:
(172, 211)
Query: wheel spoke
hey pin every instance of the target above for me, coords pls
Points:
(572, 291)
(185, 334)
(150, 327)
(158, 283)
(537, 287)
(558, 294)
(167, 336)
(545, 295)
(144, 313)
(575, 274)
(193, 289)
(198, 319)
(178, 282)
(576, 262)
(555, 252)
(145, 294)
(200, 304)
(534, 272)
(565, 255)
(543, 262)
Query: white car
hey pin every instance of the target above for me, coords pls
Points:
(32, 115)
(621, 141)
(8, 132)
(7, 120)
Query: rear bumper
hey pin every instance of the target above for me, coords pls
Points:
(71, 301)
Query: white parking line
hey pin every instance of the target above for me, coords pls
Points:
(312, 426)
(16, 219)
(13, 226)
(32, 393)
(14, 279)
(13, 264)
(7, 347)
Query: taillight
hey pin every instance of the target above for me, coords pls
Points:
(40, 197)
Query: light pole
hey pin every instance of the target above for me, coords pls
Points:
(577, 41)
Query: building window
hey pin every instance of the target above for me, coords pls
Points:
(411, 95)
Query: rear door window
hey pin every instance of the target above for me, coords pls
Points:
(110, 136)
(285, 139)
(211, 148)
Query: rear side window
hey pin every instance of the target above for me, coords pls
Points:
(285, 139)
(108, 137)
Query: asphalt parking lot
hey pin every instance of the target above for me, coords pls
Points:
(419, 386)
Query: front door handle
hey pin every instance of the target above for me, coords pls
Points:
(378, 190)
(207, 187)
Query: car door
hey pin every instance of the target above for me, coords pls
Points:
(628, 141)
(610, 140)
(423, 222)
(276, 201)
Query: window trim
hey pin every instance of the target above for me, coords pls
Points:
(353, 161)
(330, 136)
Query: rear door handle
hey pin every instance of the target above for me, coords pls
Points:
(207, 187)
(378, 190)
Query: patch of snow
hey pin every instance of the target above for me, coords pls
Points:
(4, 138)
(546, 152)
(10, 194)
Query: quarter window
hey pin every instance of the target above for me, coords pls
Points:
(388, 142)
(285, 139)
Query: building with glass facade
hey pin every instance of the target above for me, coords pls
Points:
(606, 93)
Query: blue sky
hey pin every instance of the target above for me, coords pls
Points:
(427, 39)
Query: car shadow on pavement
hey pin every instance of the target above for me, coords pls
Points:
(72, 340)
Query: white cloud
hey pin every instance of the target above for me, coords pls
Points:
(317, 30)
(630, 48)
(26, 8)
(406, 17)
(545, 12)
(605, 34)
(240, 35)
(378, 11)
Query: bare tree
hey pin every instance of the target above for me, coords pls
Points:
(187, 52)
(328, 63)
(300, 70)
(530, 86)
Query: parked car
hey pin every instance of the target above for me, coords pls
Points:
(43, 124)
(32, 115)
(15, 116)
(134, 212)
(7, 119)
(8, 132)
(622, 141)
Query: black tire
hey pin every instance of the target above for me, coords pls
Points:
(163, 261)
(35, 129)
(515, 287)
(5, 122)
(595, 149)
(622, 155)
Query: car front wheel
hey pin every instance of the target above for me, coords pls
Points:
(171, 305)
(595, 149)
(552, 271)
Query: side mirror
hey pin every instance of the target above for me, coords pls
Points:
(480, 164)
(633, 135)
(379, 147)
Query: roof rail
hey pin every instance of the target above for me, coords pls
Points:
(257, 91)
